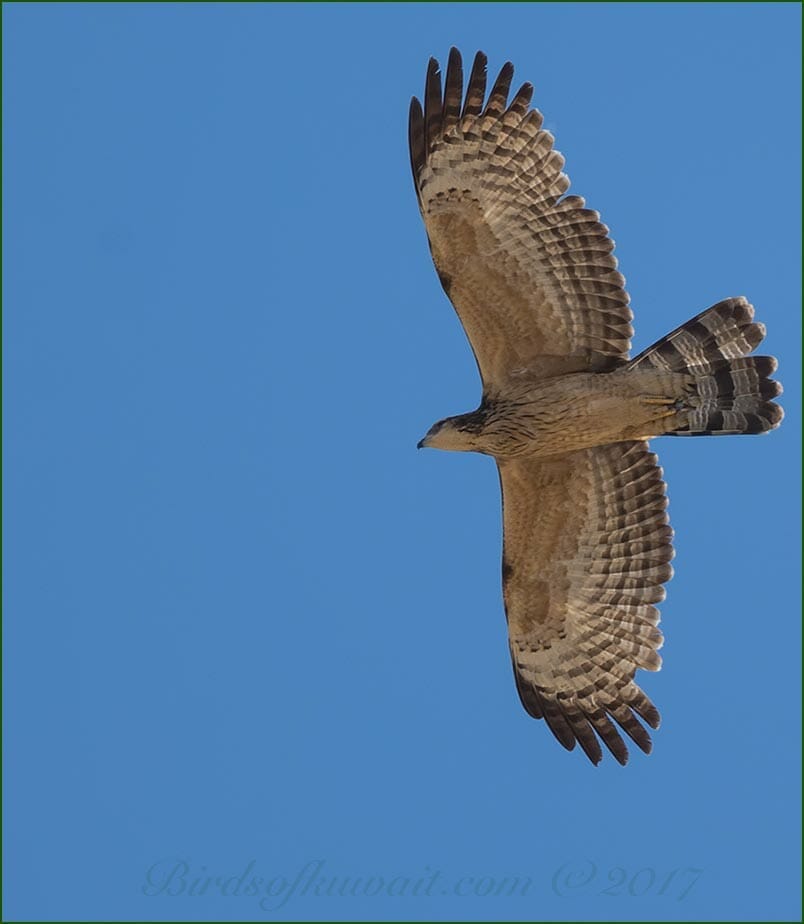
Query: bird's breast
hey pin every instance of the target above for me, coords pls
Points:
(559, 415)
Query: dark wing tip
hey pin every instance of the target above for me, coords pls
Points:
(498, 98)
(623, 716)
(476, 91)
(652, 717)
(432, 103)
(416, 138)
(645, 709)
(453, 90)
(521, 102)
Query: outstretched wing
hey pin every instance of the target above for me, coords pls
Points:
(587, 547)
(531, 275)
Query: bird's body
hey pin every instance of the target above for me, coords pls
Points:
(538, 418)
(565, 412)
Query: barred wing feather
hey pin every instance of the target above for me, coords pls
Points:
(531, 274)
(587, 547)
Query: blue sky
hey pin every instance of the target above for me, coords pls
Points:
(252, 634)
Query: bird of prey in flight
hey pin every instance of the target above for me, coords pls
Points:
(565, 411)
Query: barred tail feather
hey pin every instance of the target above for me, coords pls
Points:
(733, 396)
(728, 391)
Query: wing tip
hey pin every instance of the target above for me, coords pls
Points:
(589, 724)
(416, 142)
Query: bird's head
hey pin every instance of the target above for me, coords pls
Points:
(459, 434)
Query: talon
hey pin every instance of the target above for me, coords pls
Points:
(661, 415)
(658, 400)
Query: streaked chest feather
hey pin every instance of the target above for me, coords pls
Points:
(564, 414)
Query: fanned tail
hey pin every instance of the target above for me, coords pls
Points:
(729, 392)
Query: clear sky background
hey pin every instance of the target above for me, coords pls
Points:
(250, 632)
